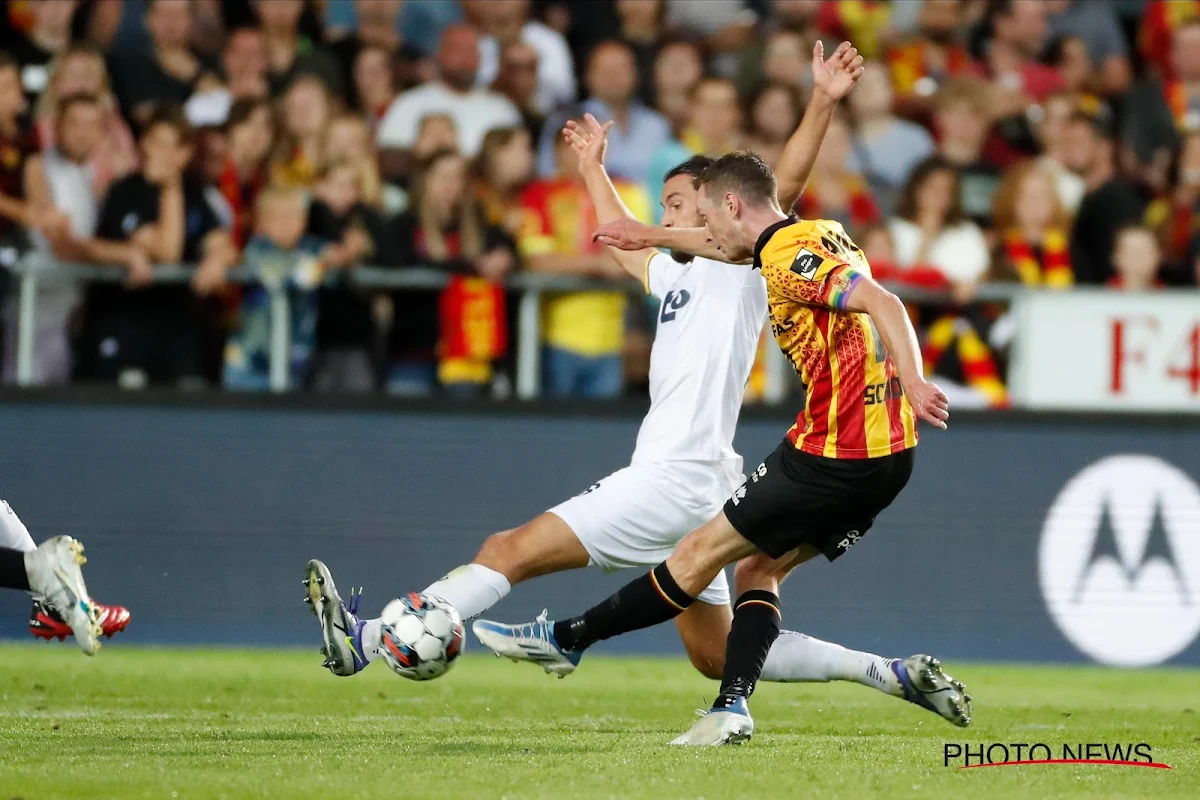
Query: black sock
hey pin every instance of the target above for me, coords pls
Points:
(12, 569)
(646, 601)
(755, 628)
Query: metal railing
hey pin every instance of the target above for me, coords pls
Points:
(34, 267)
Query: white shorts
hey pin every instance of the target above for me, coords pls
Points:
(636, 516)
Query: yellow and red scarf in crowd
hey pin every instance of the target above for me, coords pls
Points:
(1160, 19)
(472, 321)
(907, 65)
(1052, 270)
(954, 336)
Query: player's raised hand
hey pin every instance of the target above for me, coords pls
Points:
(589, 141)
(836, 76)
(624, 234)
(929, 402)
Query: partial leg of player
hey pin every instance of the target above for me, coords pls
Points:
(52, 571)
(44, 620)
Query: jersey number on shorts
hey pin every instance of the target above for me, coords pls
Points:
(672, 303)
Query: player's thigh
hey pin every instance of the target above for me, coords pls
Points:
(704, 627)
(544, 545)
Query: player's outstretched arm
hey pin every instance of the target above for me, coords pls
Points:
(590, 141)
(900, 339)
(629, 234)
(832, 80)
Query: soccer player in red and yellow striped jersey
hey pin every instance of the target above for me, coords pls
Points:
(855, 407)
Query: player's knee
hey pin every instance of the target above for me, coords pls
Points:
(709, 663)
(501, 552)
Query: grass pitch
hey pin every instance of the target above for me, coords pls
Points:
(185, 723)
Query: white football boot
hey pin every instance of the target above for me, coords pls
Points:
(532, 641)
(928, 686)
(731, 725)
(54, 574)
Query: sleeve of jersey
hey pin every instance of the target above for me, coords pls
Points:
(805, 272)
(661, 271)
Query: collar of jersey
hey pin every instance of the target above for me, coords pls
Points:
(766, 235)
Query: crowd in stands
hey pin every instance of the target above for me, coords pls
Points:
(1046, 143)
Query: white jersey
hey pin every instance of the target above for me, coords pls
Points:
(710, 318)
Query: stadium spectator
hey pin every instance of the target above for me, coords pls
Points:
(345, 325)
(1033, 229)
(347, 138)
(474, 111)
(931, 229)
(306, 113)
(1110, 203)
(638, 132)
(1096, 27)
(516, 79)
(504, 166)
(1050, 130)
(1069, 56)
(1018, 36)
(795, 17)
(60, 192)
(286, 259)
(503, 22)
(1159, 21)
(584, 331)
(678, 68)
(714, 128)
(1158, 110)
(961, 118)
(80, 70)
(723, 26)
(150, 334)
(1181, 218)
(17, 144)
(378, 32)
(772, 115)
(834, 190)
(786, 59)
(642, 26)
(250, 131)
(1136, 259)
(291, 53)
(935, 54)
(169, 73)
(244, 64)
(374, 84)
(452, 338)
(35, 49)
(886, 148)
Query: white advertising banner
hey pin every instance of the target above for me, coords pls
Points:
(1107, 351)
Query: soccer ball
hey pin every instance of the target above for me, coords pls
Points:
(421, 636)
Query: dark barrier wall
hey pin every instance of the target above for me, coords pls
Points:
(201, 520)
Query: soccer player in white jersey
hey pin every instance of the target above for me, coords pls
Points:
(711, 315)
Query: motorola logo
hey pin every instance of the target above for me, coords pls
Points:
(1119, 560)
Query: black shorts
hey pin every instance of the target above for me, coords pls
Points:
(795, 498)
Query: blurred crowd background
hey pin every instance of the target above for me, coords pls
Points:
(1037, 143)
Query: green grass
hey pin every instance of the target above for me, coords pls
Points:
(235, 723)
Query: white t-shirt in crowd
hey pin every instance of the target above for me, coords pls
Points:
(474, 113)
(959, 252)
(555, 70)
(710, 318)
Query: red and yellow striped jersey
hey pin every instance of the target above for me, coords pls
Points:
(854, 406)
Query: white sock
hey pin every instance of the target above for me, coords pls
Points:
(796, 658)
(13, 533)
(471, 589)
